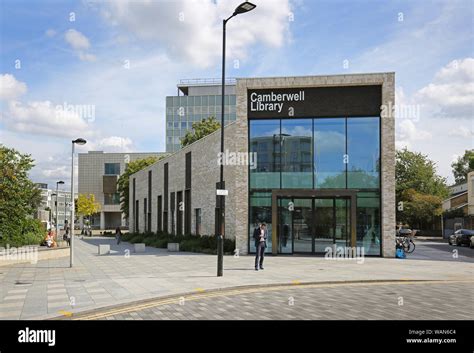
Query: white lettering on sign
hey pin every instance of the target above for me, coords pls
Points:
(273, 102)
(221, 192)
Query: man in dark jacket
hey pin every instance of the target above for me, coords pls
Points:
(260, 237)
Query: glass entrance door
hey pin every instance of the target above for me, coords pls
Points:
(324, 224)
(285, 225)
(310, 225)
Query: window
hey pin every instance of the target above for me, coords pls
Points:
(197, 213)
(263, 135)
(329, 152)
(160, 215)
(260, 212)
(145, 214)
(368, 222)
(112, 169)
(112, 199)
(363, 150)
(296, 170)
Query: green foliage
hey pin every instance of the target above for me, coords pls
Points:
(419, 209)
(123, 181)
(202, 244)
(415, 171)
(419, 188)
(462, 166)
(19, 199)
(200, 129)
(86, 205)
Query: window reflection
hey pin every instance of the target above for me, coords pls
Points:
(329, 151)
(265, 141)
(296, 153)
(363, 148)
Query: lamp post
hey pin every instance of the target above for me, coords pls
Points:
(242, 8)
(57, 183)
(79, 141)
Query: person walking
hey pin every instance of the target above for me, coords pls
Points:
(67, 235)
(260, 237)
(118, 235)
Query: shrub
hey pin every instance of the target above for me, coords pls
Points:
(203, 244)
(31, 232)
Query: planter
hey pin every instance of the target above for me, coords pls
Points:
(104, 249)
(139, 247)
(173, 247)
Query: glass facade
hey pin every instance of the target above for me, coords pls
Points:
(320, 154)
(183, 111)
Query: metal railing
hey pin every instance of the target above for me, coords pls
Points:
(207, 81)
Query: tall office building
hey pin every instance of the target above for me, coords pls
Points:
(196, 99)
(47, 208)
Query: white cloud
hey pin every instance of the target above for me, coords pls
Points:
(42, 117)
(192, 30)
(87, 57)
(461, 131)
(111, 144)
(76, 40)
(407, 130)
(80, 44)
(451, 94)
(10, 87)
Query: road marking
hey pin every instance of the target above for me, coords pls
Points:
(229, 292)
(65, 313)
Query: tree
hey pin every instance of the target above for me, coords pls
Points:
(418, 187)
(86, 205)
(19, 199)
(420, 209)
(462, 166)
(200, 129)
(123, 181)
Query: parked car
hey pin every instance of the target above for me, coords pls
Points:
(405, 232)
(461, 237)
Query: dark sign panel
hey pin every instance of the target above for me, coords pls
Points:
(314, 101)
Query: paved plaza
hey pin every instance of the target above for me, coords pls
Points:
(50, 288)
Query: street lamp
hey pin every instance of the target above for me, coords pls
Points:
(78, 141)
(242, 8)
(57, 183)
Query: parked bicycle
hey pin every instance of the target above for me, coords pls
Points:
(406, 243)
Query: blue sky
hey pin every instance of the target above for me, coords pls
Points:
(124, 57)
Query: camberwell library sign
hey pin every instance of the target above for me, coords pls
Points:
(324, 172)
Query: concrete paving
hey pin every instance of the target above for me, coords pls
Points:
(344, 301)
(50, 288)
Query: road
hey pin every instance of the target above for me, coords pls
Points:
(438, 251)
(409, 300)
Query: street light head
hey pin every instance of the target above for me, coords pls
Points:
(60, 182)
(244, 7)
(79, 141)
